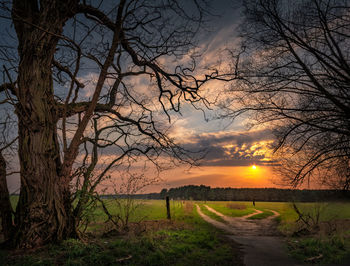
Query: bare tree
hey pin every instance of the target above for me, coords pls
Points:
(293, 74)
(92, 172)
(122, 62)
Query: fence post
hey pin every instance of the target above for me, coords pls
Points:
(167, 207)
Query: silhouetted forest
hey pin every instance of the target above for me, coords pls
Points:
(202, 192)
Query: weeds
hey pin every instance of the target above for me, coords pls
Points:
(320, 250)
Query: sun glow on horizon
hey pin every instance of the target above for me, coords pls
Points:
(254, 167)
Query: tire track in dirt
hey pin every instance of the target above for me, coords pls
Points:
(217, 224)
(258, 238)
(244, 226)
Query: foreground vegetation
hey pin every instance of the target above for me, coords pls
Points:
(149, 240)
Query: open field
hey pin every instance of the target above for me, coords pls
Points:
(152, 240)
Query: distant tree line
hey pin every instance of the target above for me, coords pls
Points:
(202, 192)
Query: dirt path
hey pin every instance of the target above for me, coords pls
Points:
(243, 226)
(229, 219)
(260, 240)
(217, 224)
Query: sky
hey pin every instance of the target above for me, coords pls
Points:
(231, 148)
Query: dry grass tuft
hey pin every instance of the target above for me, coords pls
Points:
(236, 206)
(188, 208)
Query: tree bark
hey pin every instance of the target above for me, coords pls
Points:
(5, 203)
(43, 212)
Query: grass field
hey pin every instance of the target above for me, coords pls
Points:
(186, 239)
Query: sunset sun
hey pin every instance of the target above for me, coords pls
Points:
(254, 167)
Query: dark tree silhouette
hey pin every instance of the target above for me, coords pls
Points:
(202, 192)
(89, 75)
(294, 74)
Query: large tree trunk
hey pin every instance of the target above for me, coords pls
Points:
(43, 212)
(5, 204)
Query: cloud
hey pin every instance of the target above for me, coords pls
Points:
(234, 148)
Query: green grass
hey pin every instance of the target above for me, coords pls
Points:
(145, 210)
(164, 247)
(221, 206)
(14, 200)
(319, 250)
